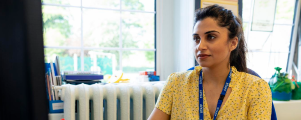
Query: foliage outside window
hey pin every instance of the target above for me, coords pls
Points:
(106, 35)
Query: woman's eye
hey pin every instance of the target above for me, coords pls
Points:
(210, 37)
(196, 39)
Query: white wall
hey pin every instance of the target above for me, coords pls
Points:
(183, 28)
(174, 36)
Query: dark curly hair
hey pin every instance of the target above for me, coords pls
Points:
(225, 18)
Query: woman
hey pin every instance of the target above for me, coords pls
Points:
(225, 91)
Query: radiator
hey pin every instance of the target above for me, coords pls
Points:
(122, 101)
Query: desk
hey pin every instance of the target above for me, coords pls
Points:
(288, 110)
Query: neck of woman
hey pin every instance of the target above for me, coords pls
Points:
(216, 75)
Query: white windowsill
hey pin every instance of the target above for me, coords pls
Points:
(288, 110)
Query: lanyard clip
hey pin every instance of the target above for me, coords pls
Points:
(221, 97)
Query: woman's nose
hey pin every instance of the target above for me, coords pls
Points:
(201, 45)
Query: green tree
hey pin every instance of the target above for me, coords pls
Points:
(60, 23)
(133, 4)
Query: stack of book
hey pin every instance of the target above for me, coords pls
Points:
(53, 78)
(78, 77)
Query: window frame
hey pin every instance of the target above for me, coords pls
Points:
(120, 49)
(249, 22)
(291, 66)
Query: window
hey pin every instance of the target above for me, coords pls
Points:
(106, 35)
(269, 49)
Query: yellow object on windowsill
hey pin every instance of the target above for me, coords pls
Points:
(117, 78)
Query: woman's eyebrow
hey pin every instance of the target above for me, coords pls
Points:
(211, 31)
(195, 34)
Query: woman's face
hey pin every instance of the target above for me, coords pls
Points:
(212, 47)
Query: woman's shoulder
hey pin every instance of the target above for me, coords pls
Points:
(249, 80)
(182, 77)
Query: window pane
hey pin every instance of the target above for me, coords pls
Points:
(62, 26)
(101, 28)
(278, 40)
(246, 29)
(285, 11)
(256, 40)
(63, 2)
(112, 4)
(135, 61)
(69, 59)
(264, 63)
(145, 5)
(105, 61)
(246, 10)
(138, 30)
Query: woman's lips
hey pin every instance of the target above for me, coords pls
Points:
(203, 56)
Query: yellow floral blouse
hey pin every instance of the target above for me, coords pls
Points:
(250, 97)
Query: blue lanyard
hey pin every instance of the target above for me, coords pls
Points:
(220, 100)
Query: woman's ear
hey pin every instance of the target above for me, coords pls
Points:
(233, 43)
